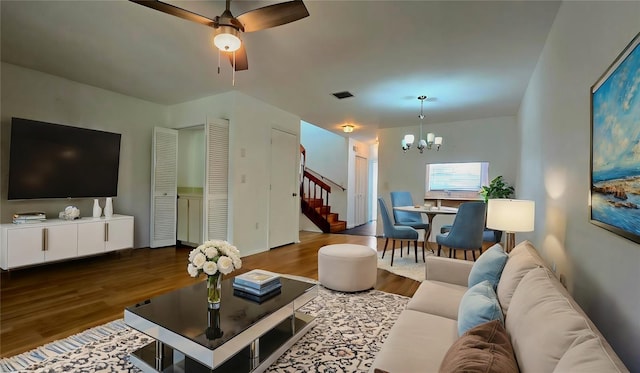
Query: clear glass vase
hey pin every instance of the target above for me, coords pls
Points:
(214, 290)
(213, 330)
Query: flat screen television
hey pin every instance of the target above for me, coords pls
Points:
(49, 160)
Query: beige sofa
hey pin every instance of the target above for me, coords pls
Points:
(548, 331)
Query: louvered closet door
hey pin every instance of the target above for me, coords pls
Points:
(217, 180)
(164, 186)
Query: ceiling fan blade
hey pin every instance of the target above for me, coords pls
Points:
(175, 11)
(273, 15)
(241, 58)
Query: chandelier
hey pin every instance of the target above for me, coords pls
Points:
(431, 140)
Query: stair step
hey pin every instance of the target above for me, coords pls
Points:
(324, 213)
(338, 226)
(332, 218)
(323, 210)
(314, 202)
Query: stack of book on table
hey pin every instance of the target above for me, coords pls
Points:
(257, 285)
(29, 217)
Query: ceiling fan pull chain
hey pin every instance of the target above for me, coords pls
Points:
(233, 74)
(218, 61)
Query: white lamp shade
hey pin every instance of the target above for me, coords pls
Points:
(430, 137)
(511, 215)
(226, 39)
(409, 139)
(438, 140)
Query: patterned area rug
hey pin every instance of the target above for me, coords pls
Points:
(406, 265)
(349, 332)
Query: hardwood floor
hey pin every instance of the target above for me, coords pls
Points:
(45, 303)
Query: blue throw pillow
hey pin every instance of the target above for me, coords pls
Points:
(479, 304)
(489, 266)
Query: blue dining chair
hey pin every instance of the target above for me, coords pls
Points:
(412, 219)
(488, 235)
(466, 231)
(407, 218)
(491, 235)
(397, 232)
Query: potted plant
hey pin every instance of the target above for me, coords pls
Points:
(497, 188)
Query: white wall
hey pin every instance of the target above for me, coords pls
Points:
(34, 95)
(250, 124)
(601, 269)
(493, 139)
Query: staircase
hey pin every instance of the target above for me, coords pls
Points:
(321, 215)
(315, 202)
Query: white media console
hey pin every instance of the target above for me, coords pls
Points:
(56, 239)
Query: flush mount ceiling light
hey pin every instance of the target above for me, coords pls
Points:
(431, 140)
(347, 128)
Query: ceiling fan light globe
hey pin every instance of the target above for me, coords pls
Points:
(226, 39)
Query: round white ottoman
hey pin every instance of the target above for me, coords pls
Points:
(347, 267)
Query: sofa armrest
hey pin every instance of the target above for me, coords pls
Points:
(452, 271)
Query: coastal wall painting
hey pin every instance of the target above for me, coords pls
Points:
(615, 145)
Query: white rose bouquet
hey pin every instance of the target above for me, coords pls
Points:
(214, 257)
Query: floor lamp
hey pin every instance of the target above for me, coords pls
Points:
(510, 215)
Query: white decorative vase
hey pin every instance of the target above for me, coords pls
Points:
(97, 211)
(108, 208)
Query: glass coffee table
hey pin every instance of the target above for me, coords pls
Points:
(242, 336)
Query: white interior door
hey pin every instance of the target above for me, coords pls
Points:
(283, 196)
(164, 187)
(373, 191)
(361, 191)
(216, 211)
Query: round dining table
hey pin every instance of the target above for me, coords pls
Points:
(431, 212)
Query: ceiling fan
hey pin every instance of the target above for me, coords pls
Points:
(228, 28)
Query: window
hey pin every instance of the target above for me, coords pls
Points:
(456, 180)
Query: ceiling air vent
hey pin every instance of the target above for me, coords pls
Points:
(342, 95)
